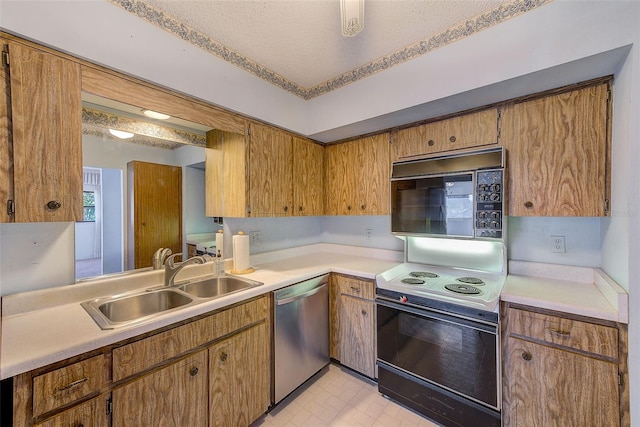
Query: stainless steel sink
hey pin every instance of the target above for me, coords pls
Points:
(124, 310)
(112, 312)
(217, 286)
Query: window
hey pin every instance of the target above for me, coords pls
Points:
(89, 213)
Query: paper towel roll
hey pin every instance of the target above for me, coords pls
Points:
(241, 261)
(220, 243)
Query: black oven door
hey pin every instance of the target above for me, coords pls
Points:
(457, 354)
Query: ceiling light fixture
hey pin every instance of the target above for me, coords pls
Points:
(155, 115)
(352, 17)
(120, 134)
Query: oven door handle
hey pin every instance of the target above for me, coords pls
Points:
(434, 315)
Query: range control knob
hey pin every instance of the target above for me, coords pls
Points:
(495, 197)
(482, 214)
(495, 187)
(495, 224)
(403, 299)
(495, 215)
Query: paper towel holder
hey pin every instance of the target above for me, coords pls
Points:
(245, 271)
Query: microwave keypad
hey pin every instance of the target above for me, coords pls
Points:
(489, 203)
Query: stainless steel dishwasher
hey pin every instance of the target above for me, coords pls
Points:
(301, 333)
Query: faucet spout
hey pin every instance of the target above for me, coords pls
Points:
(171, 269)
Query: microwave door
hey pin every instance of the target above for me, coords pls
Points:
(436, 221)
(459, 208)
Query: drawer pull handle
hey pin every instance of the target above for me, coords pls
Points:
(193, 372)
(71, 384)
(526, 355)
(53, 205)
(223, 356)
(528, 205)
(561, 334)
(452, 138)
(430, 142)
(354, 289)
(364, 312)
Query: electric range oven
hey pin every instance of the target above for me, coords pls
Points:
(438, 336)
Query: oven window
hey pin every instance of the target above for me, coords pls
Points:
(456, 356)
(440, 205)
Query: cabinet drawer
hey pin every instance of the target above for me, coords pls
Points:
(144, 354)
(92, 413)
(597, 339)
(68, 384)
(355, 287)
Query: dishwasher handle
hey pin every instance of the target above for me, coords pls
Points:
(302, 296)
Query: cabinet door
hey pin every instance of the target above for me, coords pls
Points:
(466, 131)
(240, 378)
(91, 413)
(558, 154)
(155, 195)
(172, 396)
(357, 332)
(270, 172)
(357, 177)
(6, 154)
(374, 175)
(308, 177)
(47, 136)
(552, 387)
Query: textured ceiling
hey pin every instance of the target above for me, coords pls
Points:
(297, 44)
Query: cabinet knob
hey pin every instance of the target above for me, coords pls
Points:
(193, 372)
(349, 207)
(364, 312)
(223, 356)
(452, 138)
(53, 205)
(79, 425)
(299, 208)
(528, 204)
(363, 207)
(286, 208)
(430, 142)
(526, 355)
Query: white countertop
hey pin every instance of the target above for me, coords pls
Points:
(591, 292)
(47, 326)
(43, 327)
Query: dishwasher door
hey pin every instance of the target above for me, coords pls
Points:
(301, 333)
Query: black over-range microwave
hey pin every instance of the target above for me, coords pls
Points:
(453, 195)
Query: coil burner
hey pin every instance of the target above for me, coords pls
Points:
(413, 281)
(463, 289)
(470, 280)
(424, 274)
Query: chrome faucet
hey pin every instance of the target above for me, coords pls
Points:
(159, 258)
(171, 269)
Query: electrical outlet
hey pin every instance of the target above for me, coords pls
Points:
(367, 233)
(557, 244)
(255, 238)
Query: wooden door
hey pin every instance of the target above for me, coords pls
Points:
(270, 172)
(308, 177)
(172, 396)
(240, 378)
(357, 332)
(91, 413)
(340, 180)
(47, 135)
(558, 154)
(155, 195)
(550, 387)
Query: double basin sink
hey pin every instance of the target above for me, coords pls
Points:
(124, 310)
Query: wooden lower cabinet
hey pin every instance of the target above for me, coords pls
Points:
(172, 396)
(92, 413)
(357, 334)
(562, 370)
(553, 387)
(239, 378)
(353, 325)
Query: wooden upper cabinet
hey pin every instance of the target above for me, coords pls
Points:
(270, 171)
(465, 131)
(558, 154)
(6, 155)
(46, 129)
(357, 177)
(308, 177)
